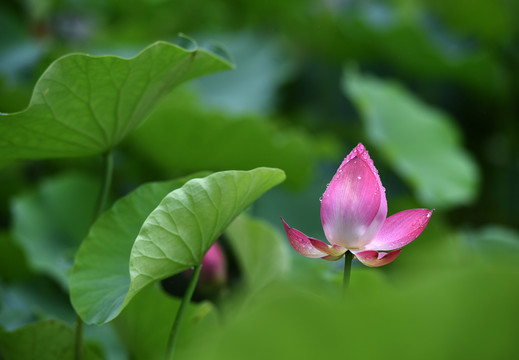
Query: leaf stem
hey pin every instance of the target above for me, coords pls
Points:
(78, 343)
(348, 258)
(108, 167)
(173, 335)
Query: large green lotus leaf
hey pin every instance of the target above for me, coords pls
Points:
(45, 340)
(420, 142)
(84, 105)
(100, 278)
(178, 233)
(50, 223)
(260, 250)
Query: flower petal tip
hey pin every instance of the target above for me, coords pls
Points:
(359, 151)
(302, 243)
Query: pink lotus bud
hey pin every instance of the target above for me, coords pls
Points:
(214, 267)
(353, 214)
(213, 276)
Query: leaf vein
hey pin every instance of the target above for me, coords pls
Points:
(64, 123)
(197, 219)
(217, 211)
(180, 239)
(94, 114)
(68, 126)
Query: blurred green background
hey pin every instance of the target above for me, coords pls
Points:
(429, 87)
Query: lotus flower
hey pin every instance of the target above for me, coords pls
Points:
(353, 214)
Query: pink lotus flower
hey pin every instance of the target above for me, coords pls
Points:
(353, 214)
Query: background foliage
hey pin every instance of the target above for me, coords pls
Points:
(430, 88)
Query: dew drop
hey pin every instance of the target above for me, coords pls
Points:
(359, 177)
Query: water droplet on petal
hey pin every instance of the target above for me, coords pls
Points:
(359, 177)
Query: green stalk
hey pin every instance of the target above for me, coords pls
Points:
(173, 335)
(78, 343)
(348, 258)
(108, 167)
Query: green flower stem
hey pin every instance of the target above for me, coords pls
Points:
(173, 335)
(108, 167)
(348, 258)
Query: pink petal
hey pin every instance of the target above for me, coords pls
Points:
(333, 250)
(400, 229)
(374, 258)
(301, 243)
(354, 206)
